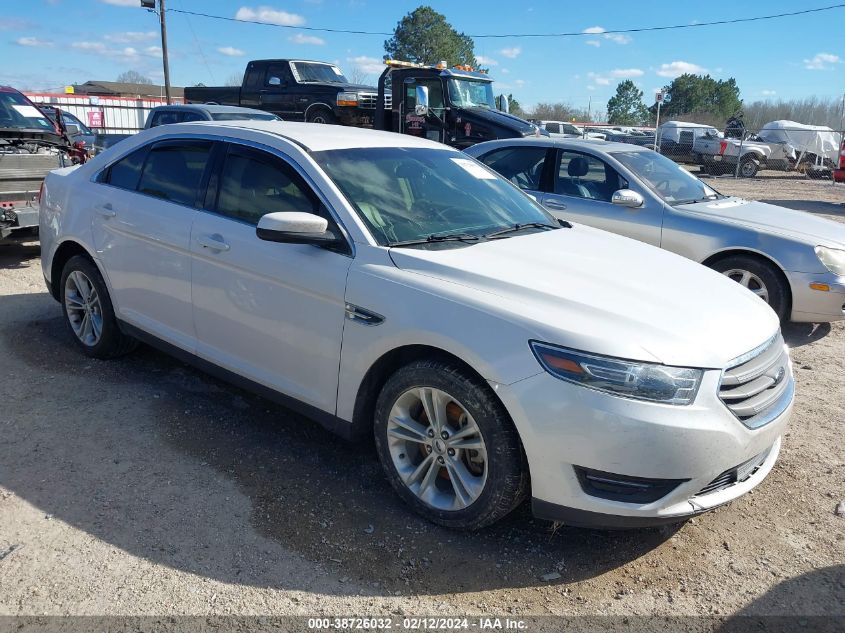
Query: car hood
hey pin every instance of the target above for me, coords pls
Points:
(591, 290)
(785, 222)
(502, 120)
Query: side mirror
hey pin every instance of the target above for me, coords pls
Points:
(422, 101)
(627, 198)
(295, 227)
(274, 81)
(72, 129)
(504, 104)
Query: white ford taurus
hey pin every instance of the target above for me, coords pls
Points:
(390, 285)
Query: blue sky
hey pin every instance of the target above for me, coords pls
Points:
(49, 43)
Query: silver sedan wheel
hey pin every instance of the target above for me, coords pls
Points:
(84, 310)
(750, 281)
(437, 448)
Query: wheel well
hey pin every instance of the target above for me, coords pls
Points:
(715, 259)
(381, 370)
(65, 251)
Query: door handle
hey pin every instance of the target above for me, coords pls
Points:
(214, 242)
(551, 203)
(105, 210)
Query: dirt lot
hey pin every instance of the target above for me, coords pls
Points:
(142, 486)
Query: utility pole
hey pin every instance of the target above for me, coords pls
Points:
(150, 4)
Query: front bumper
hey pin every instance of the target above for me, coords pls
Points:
(813, 305)
(565, 426)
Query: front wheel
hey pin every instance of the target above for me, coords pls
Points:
(448, 446)
(760, 278)
(321, 115)
(748, 168)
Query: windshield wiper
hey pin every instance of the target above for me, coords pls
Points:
(438, 237)
(712, 196)
(518, 227)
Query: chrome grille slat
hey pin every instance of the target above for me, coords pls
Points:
(367, 100)
(758, 387)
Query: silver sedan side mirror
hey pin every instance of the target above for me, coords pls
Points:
(627, 198)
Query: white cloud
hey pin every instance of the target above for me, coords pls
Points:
(92, 47)
(369, 65)
(676, 69)
(301, 38)
(131, 36)
(618, 38)
(230, 51)
(505, 71)
(127, 53)
(519, 83)
(486, 61)
(123, 3)
(605, 79)
(822, 61)
(768, 93)
(269, 15)
(511, 53)
(32, 41)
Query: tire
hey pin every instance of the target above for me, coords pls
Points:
(321, 115)
(495, 469)
(748, 167)
(761, 278)
(80, 276)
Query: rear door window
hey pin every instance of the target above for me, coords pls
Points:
(126, 172)
(174, 169)
(523, 166)
(165, 118)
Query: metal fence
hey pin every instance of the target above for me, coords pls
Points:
(109, 115)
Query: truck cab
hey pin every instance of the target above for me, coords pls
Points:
(460, 108)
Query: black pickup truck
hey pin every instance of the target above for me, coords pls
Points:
(296, 90)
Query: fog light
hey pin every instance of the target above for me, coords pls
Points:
(614, 487)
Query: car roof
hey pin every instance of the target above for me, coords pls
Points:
(563, 143)
(317, 137)
(206, 107)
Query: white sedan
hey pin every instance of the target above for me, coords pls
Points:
(390, 285)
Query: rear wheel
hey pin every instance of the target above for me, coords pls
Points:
(748, 168)
(448, 446)
(760, 278)
(88, 311)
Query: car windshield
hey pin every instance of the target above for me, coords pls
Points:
(72, 120)
(674, 184)
(17, 112)
(468, 93)
(405, 194)
(244, 116)
(323, 73)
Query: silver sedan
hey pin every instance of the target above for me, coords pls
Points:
(790, 259)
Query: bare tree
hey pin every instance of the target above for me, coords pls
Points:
(235, 79)
(359, 76)
(134, 77)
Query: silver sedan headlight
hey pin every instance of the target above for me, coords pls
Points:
(832, 258)
(620, 377)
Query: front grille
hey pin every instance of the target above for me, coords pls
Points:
(735, 475)
(758, 386)
(368, 100)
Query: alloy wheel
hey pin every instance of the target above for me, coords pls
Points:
(749, 280)
(84, 309)
(437, 448)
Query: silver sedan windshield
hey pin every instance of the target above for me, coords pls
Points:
(674, 184)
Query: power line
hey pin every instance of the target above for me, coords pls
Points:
(644, 29)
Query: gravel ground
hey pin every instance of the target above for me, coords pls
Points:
(142, 486)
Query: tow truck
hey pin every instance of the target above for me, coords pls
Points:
(31, 145)
(455, 106)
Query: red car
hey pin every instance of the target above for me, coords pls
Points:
(839, 174)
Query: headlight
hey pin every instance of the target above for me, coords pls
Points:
(625, 378)
(832, 258)
(347, 98)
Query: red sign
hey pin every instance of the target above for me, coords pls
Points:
(95, 119)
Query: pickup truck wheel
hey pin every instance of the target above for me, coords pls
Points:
(760, 278)
(89, 313)
(748, 168)
(448, 446)
(321, 115)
